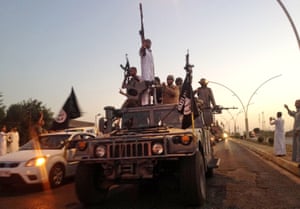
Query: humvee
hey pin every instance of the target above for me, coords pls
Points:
(142, 143)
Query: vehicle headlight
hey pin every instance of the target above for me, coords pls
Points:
(157, 148)
(100, 151)
(37, 162)
(81, 145)
(185, 139)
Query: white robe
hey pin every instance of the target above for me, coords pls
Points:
(147, 66)
(3, 144)
(13, 146)
(279, 137)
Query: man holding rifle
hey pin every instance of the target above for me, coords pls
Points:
(147, 64)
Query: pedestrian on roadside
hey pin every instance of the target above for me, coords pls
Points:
(296, 130)
(3, 141)
(279, 135)
(13, 140)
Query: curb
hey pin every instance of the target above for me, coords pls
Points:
(292, 167)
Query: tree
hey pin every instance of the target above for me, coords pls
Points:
(28, 116)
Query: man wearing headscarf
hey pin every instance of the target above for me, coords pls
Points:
(205, 95)
(170, 92)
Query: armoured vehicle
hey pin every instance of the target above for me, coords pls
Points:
(143, 143)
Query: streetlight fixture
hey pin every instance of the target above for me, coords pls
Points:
(234, 119)
(245, 108)
(290, 20)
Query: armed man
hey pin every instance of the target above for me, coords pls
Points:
(147, 63)
(207, 100)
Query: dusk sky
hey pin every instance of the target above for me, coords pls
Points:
(50, 46)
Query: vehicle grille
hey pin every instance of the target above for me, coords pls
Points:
(9, 164)
(129, 149)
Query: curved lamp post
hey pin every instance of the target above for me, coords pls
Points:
(245, 108)
(291, 21)
(246, 113)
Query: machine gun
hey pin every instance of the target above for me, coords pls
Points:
(218, 109)
(142, 32)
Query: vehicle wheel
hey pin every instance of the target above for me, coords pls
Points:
(210, 172)
(89, 184)
(56, 175)
(193, 180)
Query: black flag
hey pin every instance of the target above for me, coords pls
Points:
(69, 111)
(187, 104)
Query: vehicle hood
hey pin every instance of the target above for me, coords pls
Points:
(24, 155)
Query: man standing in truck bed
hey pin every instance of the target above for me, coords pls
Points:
(147, 66)
(206, 96)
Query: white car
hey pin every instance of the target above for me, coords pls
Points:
(46, 160)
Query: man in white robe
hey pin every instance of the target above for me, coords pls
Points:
(3, 142)
(279, 135)
(13, 140)
(296, 130)
(147, 68)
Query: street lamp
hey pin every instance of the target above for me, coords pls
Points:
(291, 21)
(234, 119)
(246, 113)
(245, 108)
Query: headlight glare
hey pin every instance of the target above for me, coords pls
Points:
(157, 148)
(37, 162)
(100, 151)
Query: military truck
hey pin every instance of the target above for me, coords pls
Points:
(143, 143)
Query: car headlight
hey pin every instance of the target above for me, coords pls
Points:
(100, 151)
(36, 162)
(157, 148)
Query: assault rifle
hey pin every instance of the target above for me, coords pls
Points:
(142, 32)
(126, 67)
(188, 67)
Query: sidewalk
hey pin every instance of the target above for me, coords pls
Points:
(267, 153)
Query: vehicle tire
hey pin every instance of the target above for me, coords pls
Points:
(56, 175)
(210, 172)
(89, 184)
(193, 180)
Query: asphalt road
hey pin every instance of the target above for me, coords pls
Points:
(243, 181)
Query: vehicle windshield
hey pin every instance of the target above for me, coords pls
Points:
(167, 117)
(47, 142)
(145, 119)
(132, 120)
